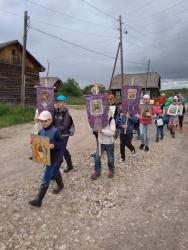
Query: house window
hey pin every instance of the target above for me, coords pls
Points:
(14, 57)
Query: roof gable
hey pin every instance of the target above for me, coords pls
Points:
(28, 54)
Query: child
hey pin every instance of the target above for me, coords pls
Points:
(126, 125)
(145, 125)
(51, 171)
(62, 121)
(159, 122)
(173, 120)
(106, 143)
(181, 113)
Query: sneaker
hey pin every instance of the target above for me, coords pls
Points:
(121, 161)
(133, 152)
(146, 148)
(110, 174)
(142, 146)
(157, 139)
(95, 175)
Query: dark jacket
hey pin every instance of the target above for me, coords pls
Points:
(55, 138)
(62, 121)
(132, 120)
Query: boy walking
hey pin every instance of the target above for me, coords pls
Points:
(159, 122)
(51, 171)
(106, 143)
(126, 124)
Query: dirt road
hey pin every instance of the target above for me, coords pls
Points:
(145, 206)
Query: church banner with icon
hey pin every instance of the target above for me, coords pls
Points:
(45, 99)
(97, 111)
(40, 149)
(131, 96)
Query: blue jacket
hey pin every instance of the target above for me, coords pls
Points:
(55, 138)
(164, 119)
(132, 120)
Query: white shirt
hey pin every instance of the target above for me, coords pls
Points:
(107, 134)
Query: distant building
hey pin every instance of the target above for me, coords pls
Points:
(150, 82)
(51, 82)
(11, 70)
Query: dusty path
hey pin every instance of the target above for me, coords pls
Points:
(144, 207)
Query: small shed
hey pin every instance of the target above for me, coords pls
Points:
(150, 82)
(51, 82)
(11, 70)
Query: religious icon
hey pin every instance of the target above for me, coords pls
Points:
(172, 110)
(96, 107)
(40, 149)
(146, 111)
(132, 94)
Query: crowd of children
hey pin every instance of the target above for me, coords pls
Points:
(120, 124)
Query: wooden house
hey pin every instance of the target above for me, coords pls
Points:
(150, 83)
(51, 82)
(11, 70)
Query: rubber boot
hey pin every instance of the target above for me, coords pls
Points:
(37, 202)
(59, 182)
(69, 166)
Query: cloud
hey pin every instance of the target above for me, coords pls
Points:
(156, 31)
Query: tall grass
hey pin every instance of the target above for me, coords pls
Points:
(15, 114)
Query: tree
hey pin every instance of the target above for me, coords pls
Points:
(87, 89)
(70, 88)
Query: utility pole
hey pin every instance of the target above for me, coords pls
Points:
(147, 76)
(114, 66)
(47, 74)
(121, 52)
(23, 60)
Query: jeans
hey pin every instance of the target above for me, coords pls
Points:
(145, 133)
(109, 148)
(126, 140)
(159, 132)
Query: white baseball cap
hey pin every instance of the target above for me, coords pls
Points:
(45, 115)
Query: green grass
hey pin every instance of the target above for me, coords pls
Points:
(76, 100)
(14, 114)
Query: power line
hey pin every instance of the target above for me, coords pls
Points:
(159, 12)
(139, 8)
(73, 44)
(69, 16)
(101, 11)
(72, 30)
(58, 26)
(81, 47)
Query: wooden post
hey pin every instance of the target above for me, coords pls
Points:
(114, 66)
(147, 76)
(121, 53)
(23, 60)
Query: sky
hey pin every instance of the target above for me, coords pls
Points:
(60, 29)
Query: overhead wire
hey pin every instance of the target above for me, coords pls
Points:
(96, 8)
(70, 16)
(159, 12)
(71, 43)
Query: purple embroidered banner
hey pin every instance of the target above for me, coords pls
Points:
(131, 96)
(45, 99)
(97, 110)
